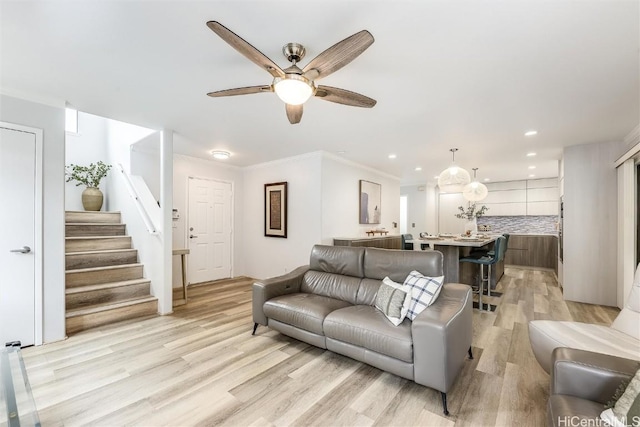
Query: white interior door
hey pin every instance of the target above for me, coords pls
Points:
(209, 230)
(18, 243)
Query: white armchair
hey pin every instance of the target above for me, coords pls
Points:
(621, 339)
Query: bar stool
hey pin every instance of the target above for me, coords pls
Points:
(407, 246)
(488, 260)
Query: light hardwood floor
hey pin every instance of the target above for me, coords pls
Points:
(201, 366)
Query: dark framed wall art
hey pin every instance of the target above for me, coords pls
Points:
(370, 202)
(275, 209)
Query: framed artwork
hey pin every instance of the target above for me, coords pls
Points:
(370, 202)
(275, 209)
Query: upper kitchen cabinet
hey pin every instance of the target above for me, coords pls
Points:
(531, 197)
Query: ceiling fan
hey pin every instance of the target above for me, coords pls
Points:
(293, 85)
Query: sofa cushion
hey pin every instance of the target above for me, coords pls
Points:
(337, 259)
(331, 285)
(302, 310)
(367, 327)
(379, 263)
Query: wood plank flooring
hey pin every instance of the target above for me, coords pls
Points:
(201, 366)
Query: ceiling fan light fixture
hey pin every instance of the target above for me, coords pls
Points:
(293, 89)
(454, 178)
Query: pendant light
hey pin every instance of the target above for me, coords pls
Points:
(475, 191)
(454, 178)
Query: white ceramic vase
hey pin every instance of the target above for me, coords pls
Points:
(471, 226)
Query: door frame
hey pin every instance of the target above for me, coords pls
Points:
(233, 195)
(38, 228)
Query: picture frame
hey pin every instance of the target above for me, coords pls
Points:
(275, 209)
(370, 207)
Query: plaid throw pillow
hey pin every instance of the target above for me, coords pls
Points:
(424, 292)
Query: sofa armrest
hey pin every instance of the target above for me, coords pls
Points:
(442, 337)
(264, 290)
(589, 375)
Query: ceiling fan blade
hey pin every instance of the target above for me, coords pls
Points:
(345, 97)
(240, 91)
(294, 113)
(242, 46)
(338, 55)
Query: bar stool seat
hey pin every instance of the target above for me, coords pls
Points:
(489, 261)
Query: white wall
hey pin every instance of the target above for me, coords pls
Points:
(340, 180)
(271, 256)
(51, 120)
(416, 209)
(152, 248)
(89, 145)
(145, 162)
(183, 168)
(590, 223)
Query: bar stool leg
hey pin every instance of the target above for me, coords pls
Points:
(489, 282)
(481, 288)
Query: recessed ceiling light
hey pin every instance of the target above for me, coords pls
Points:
(220, 155)
(531, 133)
(531, 154)
(532, 176)
(532, 167)
(392, 156)
(436, 177)
(487, 179)
(418, 169)
(341, 152)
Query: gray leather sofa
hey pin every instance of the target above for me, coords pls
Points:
(582, 382)
(330, 304)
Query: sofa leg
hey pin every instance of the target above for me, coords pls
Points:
(444, 403)
(470, 354)
(255, 326)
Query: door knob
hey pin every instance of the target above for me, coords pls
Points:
(191, 236)
(23, 250)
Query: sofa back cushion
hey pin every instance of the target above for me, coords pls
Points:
(380, 263)
(337, 259)
(338, 286)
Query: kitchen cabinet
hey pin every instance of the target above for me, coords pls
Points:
(533, 251)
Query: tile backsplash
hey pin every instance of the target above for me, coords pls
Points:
(530, 224)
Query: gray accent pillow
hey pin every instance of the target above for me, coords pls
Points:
(392, 300)
(627, 409)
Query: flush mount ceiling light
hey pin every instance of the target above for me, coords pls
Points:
(475, 191)
(531, 133)
(220, 155)
(454, 178)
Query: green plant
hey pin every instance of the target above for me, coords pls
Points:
(471, 212)
(88, 175)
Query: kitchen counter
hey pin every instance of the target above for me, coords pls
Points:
(384, 242)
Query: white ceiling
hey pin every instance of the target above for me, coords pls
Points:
(473, 75)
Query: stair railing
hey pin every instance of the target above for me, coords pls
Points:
(138, 202)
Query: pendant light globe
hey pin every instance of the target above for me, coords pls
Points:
(454, 178)
(475, 191)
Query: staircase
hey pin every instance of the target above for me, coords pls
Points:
(104, 281)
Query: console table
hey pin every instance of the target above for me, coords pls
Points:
(385, 242)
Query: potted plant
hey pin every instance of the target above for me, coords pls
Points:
(90, 176)
(471, 215)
